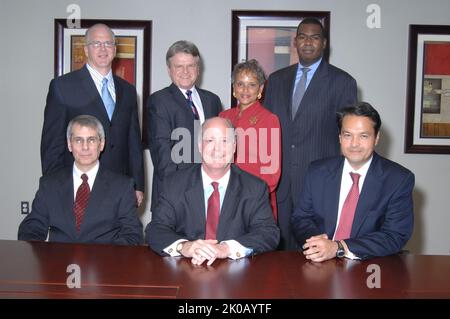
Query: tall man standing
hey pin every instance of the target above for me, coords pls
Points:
(306, 97)
(94, 90)
(182, 106)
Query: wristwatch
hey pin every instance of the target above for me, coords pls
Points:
(180, 247)
(340, 253)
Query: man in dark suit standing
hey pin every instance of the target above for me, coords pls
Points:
(96, 91)
(86, 202)
(175, 114)
(305, 97)
(358, 205)
(213, 210)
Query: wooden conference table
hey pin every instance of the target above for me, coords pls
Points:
(39, 270)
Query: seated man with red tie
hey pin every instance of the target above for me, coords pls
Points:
(358, 205)
(85, 203)
(214, 209)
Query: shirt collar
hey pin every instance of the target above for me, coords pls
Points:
(223, 181)
(362, 171)
(91, 173)
(312, 68)
(98, 75)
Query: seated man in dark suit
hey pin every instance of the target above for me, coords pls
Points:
(334, 219)
(85, 203)
(213, 210)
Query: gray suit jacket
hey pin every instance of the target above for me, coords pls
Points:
(245, 215)
(110, 217)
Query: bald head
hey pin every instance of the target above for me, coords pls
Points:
(217, 146)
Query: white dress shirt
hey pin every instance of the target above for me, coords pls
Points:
(346, 185)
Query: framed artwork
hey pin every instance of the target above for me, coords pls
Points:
(132, 62)
(428, 90)
(268, 36)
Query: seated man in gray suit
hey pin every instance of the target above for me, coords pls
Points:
(213, 210)
(85, 203)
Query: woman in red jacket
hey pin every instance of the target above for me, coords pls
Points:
(257, 129)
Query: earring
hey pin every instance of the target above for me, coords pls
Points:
(259, 96)
(234, 94)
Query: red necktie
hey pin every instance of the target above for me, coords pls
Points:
(348, 210)
(81, 201)
(191, 104)
(212, 217)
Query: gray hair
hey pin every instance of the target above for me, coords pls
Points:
(251, 66)
(95, 26)
(86, 121)
(182, 46)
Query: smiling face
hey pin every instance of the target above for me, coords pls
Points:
(310, 43)
(217, 147)
(86, 146)
(246, 88)
(358, 139)
(100, 58)
(184, 70)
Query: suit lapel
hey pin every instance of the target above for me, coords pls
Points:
(288, 90)
(66, 193)
(119, 95)
(372, 187)
(195, 199)
(180, 99)
(206, 104)
(230, 201)
(92, 93)
(332, 187)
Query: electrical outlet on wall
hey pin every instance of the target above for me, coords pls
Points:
(24, 208)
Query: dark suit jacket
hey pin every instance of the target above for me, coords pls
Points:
(383, 221)
(110, 216)
(74, 94)
(245, 215)
(313, 134)
(167, 111)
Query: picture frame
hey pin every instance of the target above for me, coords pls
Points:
(268, 36)
(427, 128)
(133, 57)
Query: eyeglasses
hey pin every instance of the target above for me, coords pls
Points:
(98, 44)
(91, 140)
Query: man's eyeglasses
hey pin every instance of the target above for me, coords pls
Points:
(92, 140)
(98, 44)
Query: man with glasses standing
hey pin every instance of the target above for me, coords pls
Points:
(84, 202)
(94, 90)
(305, 97)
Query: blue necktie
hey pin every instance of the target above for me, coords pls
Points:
(107, 99)
(299, 91)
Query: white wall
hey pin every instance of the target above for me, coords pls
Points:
(377, 58)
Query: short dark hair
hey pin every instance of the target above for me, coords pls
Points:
(313, 21)
(251, 66)
(360, 109)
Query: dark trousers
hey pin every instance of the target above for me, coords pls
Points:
(287, 240)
